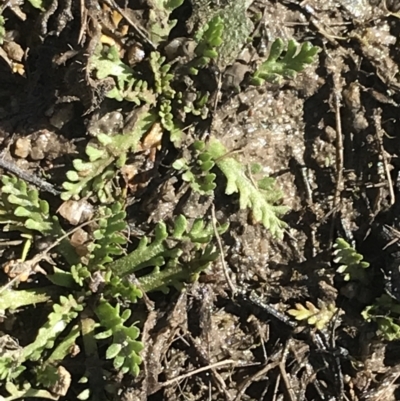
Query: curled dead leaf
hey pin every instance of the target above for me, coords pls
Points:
(153, 137)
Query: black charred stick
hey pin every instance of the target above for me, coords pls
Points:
(11, 166)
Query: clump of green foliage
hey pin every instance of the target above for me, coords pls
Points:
(159, 262)
(198, 173)
(124, 349)
(209, 39)
(22, 210)
(352, 266)
(106, 62)
(260, 196)
(385, 312)
(106, 157)
(288, 65)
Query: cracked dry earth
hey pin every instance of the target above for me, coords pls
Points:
(330, 138)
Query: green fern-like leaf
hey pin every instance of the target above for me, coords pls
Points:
(319, 318)
(209, 39)
(63, 349)
(57, 321)
(351, 263)
(169, 122)
(48, 373)
(199, 232)
(96, 175)
(162, 76)
(26, 392)
(159, 25)
(120, 288)
(165, 113)
(163, 254)
(107, 63)
(125, 348)
(198, 173)
(144, 255)
(288, 65)
(16, 299)
(21, 208)
(385, 312)
(251, 196)
(176, 274)
(107, 244)
(108, 238)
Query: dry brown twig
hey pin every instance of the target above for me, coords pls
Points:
(196, 371)
(282, 367)
(378, 132)
(221, 251)
(339, 142)
(257, 376)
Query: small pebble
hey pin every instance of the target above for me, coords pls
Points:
(76, 212)
(22, 147)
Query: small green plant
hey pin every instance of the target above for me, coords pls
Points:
(352, 266)
(107, 63)
(159, 25)
(91, 299)
(287, 65)
(96, 175)
(318, 317)
(169, 258)
(162, 75)
(385, 312)
(164, 255)
(209, 39)
(260, 197)
(22, 210)
(125, 348)
(12, 363)
(198, 174)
